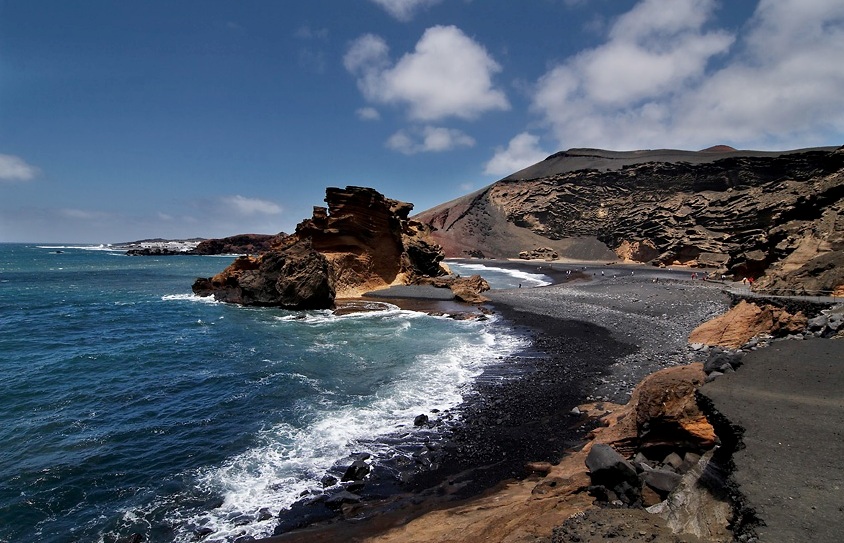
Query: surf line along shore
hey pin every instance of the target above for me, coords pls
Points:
(593, 339)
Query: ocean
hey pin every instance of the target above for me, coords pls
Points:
(131, 408)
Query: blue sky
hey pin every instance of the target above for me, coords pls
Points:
(128, 120)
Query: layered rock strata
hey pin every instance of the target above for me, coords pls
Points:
(745, 213)
(361, 241)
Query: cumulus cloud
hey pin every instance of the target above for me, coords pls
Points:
(13, 168)
(663, 79)
(404, 10)
(522, 151)
(447, 75)
(250, 206)
(428, 139)
(368, 114)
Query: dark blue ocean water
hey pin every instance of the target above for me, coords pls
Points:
(128, 405)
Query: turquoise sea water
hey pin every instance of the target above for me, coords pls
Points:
(130, 406)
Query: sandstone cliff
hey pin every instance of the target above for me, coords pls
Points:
(742, 212)
(361, 241)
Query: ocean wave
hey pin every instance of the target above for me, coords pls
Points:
(82, 247)
(290, 461)
(190, 298)
(489, 272)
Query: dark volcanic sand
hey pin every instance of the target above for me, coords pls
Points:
(590, 341)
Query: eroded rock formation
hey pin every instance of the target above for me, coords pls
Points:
(745, 213)
(658, 451)
(745, 321)
(361, 241)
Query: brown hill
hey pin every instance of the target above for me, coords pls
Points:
(744, 212)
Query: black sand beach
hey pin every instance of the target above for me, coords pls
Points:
(592, 339)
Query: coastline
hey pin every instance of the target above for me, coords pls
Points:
(590, 340)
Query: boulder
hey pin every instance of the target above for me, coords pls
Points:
(465, 289)
(469, 289)
(608, 468)
(722, 361)
(637, 251)
(541, 253)
(338, 499)
(661, 480)
(666, 410)
(747, 320)
(357, 471)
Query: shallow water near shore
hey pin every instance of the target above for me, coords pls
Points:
(130, 406)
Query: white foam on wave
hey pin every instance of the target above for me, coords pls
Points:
(529, 279)
(376, 310)
(290, 460)
(189, 298)
(82, 247)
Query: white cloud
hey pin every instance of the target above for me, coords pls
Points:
(368, 114)
(305, 32)
(428, 139)
(309, 57)
(655, 83)
(522, 151)
(404, 10)
(447, 75)
(82, 214)
(13, 168)
(250, 206)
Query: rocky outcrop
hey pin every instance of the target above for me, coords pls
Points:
(745, 321)
(541, 253)
(465, 289)
(249, 244)
(297, 277)
(657, 452)
(658, 449)
(744, 213)
(361, 241)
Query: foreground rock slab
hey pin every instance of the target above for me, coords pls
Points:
(786, 407)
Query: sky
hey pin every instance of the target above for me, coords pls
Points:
(122, 121)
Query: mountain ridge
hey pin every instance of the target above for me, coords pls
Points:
(746, 213)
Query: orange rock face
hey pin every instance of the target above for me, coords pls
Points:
(746, 321)
(637, 251)
(667, 412)
(662, 411)
(362, 241)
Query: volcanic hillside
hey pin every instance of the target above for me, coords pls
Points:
(779, 215)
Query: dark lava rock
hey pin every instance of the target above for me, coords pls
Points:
(608, 468)
(356, 472)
